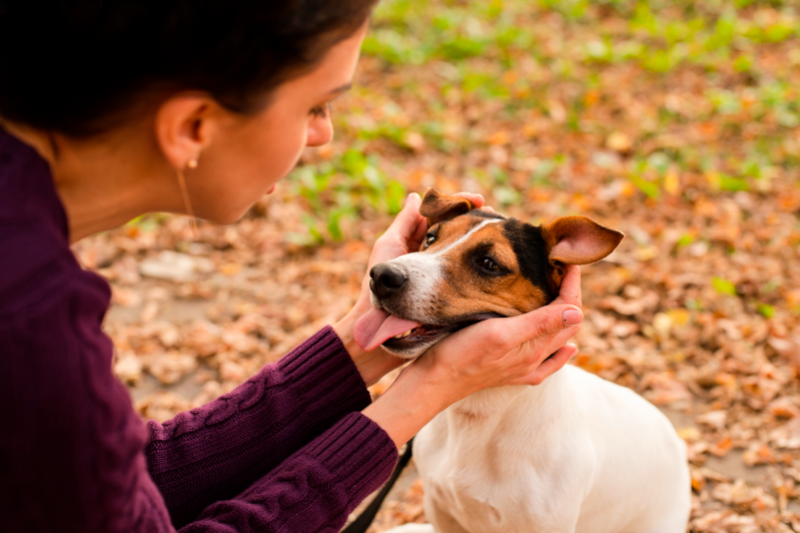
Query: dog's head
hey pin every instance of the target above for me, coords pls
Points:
(473, 265)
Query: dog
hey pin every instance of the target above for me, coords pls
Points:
(575, 453)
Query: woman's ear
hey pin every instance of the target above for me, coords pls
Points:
(183, 128)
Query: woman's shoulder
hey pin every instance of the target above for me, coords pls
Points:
(35, 258)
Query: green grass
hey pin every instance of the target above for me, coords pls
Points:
(340, 190)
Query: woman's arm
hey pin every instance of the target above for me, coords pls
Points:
(218, 450)
(314, 490)
(72, 454)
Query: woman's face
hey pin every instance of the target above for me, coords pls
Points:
(248, 154)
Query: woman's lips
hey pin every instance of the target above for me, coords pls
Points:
(271, 189)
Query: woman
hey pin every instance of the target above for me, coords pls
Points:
(114, 109)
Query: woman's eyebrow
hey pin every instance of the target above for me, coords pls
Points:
(339, 90)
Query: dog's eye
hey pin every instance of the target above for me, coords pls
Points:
(430, 239)
(488, 264)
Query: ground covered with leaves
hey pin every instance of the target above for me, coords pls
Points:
(674, 122)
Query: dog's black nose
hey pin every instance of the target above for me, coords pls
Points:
(386, 280)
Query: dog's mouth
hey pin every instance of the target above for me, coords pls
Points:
(424, 334)
(378, 328)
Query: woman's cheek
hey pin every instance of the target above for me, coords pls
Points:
(284, 156)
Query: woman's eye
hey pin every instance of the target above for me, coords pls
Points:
(430, 239)
(320, 111)
(489, 265)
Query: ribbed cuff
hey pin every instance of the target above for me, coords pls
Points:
(358, 452)
(322, 374)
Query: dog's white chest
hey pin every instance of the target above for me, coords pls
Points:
(574, 454)
(481, 469)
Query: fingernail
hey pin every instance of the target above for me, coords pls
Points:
(571, 317)
(415, 198)
(574, 351)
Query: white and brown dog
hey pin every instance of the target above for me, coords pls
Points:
(575, 453)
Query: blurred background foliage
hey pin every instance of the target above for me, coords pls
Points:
(562, 61)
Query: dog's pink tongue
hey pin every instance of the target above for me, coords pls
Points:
(376, 327)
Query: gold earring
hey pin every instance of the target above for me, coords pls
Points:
(187, 203)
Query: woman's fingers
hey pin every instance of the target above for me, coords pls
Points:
(476, 199)
(549, 320)
(570, 291)
(407, 229)
(549, 366)
(406, 222)
(562, 338)
(419, 234)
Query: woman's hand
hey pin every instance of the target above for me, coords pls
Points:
(403, 236)
(492, 353)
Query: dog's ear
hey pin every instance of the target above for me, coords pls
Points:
(578, 240)
(437, 207)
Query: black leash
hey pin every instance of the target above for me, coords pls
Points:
(364, 520)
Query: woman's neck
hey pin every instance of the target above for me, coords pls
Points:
(102, 181)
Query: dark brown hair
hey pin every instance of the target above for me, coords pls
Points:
(78, 66)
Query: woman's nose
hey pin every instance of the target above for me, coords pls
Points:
(320, 131)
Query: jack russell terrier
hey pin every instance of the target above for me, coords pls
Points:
(574, 454)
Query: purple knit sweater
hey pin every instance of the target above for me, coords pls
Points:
(286, 451)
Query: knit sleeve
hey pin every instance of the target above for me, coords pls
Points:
(216, 451)
(71, 456)
(315, 489)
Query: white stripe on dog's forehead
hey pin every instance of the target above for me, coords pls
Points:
(425, 272)
(466, 236)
